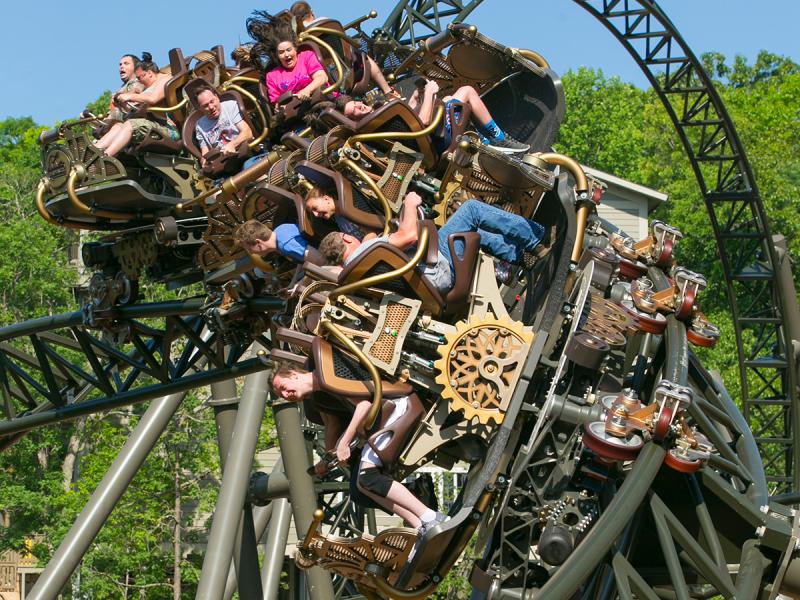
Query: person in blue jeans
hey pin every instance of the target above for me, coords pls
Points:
(504, 235)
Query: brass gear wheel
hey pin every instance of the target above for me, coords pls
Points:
(479, 364)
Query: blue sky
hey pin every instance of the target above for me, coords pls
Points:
(59, 55)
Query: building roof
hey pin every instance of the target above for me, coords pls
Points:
(628, 189)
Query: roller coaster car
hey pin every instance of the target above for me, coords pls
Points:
(477, 171)
(524, 95)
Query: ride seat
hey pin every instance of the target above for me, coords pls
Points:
(350, 202)
(459, 115)
(340, 374)
(188, 132)
(394, 116)
(382, 257)
(399, 431)
(358, 80)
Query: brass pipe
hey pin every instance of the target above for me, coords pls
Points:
(353, 24)
(47, 216)
(312, 529)
(232, 185)
(98, 212)
(336, 62)
(581, 189)
(335, 32)
(401, 135)
(392, 592)
(259, 262)
(534, 57)
(43, 212)
(264, 123)
(183, 205)
(350, 288)
(387, 211)
(377, 384)
(580, 217)
(240, 78)
(571, 165)
(166, 109)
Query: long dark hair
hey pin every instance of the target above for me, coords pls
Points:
(268, 31)
(147, 64)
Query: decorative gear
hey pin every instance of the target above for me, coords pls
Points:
(480, 365)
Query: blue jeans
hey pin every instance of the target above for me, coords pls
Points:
(503, 234)
(253, 160)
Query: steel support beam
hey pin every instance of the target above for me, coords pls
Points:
(301, 488)
(225, 402)
(227, 516)
(97, 510)
(275, 548)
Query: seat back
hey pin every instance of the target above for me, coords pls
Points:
(381, 258)
(399, 431)
(173, 89)
(459, 115)
(350, 202)
(190, 141)
(464, 267)
(340, 374)
(358, 80)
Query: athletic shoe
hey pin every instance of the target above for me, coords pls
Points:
(508, 145)
(423, 529)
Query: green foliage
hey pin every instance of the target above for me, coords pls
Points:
(610, 125)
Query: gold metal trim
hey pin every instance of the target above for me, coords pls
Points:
(326, 30)
(47, 216)
(534, 57)
(571, 165)
(401, 135)
(334, 56)
(387, 211)
(162, 109)
(581, 216)
(377, 385)
(240, 78)
(422, 245)
(265, 124)
(581, 186)
(98, 212)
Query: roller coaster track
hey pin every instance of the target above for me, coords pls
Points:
(56, 368)
(739, 221)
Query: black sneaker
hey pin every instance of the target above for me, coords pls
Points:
(508, 145)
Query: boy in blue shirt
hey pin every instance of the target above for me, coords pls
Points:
(287, 240)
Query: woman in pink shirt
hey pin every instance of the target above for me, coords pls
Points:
(298, 72)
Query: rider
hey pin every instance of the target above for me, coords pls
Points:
(504, 235)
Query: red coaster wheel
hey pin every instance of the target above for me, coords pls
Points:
(665, 257)
(661, 428)
(683, 464)
(608, 446)
(687, 304)
(655, 324)
(629, 269)
(706, 338)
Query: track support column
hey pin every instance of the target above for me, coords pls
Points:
(301, 488)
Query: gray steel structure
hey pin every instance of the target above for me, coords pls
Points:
(47, 385)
